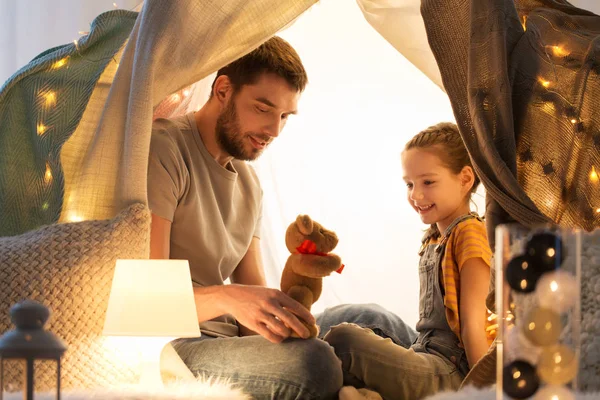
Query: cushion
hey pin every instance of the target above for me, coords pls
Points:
(69, 268)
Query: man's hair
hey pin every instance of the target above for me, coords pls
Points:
(275, 56)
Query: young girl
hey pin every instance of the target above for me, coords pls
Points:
(454, 273)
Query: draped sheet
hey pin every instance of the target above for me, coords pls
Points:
(522, 78)
(99, 152)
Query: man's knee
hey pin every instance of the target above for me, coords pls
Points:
(313, 362)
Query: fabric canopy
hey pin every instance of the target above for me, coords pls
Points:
(104, 150)
(523, 99)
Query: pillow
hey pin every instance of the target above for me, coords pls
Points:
(69, 268)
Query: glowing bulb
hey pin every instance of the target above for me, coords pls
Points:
(45, 206)
(115, 5)
(73, 217)
(76, 44)
(559, 51)
(186, 93)
(516, 374)
(176, 98)
(524, 23)
(598, 210)
(41, 129)
(553, 286)
(544, 83)
(48, 174)
(593, 175)
(524, 284)
(60, 63)
(49, 98)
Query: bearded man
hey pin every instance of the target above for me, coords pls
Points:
(206, 206)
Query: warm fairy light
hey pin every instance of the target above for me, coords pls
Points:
(76, 44)
(573, 120)
(74, 217)
(598, 210)
(554, 286)
(593, 175)
(83, 33)
(115, 5)
(48, 174)
(559, 51)
(60, 63)
(49, 98)
(524, 23)
(557, 358)
(550, 252)
(41, 129)
(45, 206)
(176, 98)
(186, 93)
(544, 82)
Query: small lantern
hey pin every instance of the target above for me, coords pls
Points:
(30, 342)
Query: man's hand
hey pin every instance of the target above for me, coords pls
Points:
(268, 312)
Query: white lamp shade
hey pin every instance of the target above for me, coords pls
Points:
(152, 298)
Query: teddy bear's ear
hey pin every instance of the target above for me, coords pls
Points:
(305, 224)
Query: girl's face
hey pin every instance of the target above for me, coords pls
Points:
(433, 190)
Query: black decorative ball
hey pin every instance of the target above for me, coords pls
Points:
(521, 275)
(545, 250)
(519, 380)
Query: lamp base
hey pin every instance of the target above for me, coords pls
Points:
(150, 351)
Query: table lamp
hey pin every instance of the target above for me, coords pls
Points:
(153, 301)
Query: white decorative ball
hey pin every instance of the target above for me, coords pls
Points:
(557, 365)
(554, 392)
(557, 291)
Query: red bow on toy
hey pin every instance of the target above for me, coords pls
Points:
(309, 247)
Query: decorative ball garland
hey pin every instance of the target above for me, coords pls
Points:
(545, 365)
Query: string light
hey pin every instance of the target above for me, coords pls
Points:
(524, 23)
(544, 82)
(115, 5)
(45, 206)
(73, 217)
(48, 174)
(598, 210)
(59, 64)
(41, 129)
(186, 92)
(176, 98)
(49, 98)
(593, 176)
(559, 51)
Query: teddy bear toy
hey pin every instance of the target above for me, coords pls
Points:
(309, 263)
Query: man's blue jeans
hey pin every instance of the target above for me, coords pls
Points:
(293, 370)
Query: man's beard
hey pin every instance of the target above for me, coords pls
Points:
(230, 137)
